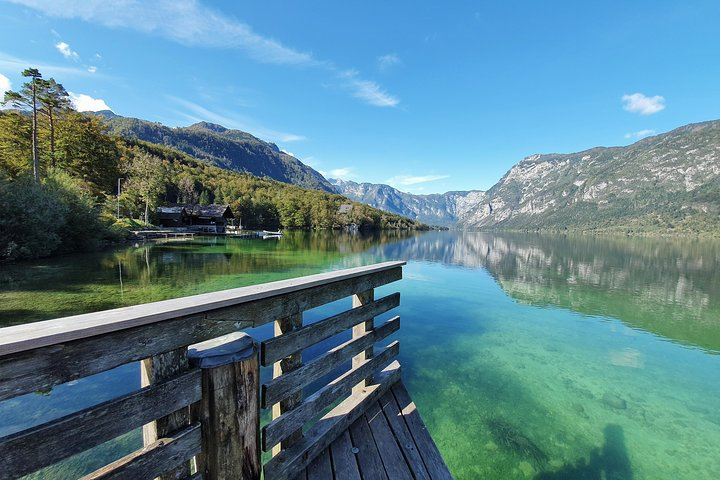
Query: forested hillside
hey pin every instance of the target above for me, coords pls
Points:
(229, 149)
(60, 170)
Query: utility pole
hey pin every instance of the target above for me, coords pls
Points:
(118, 199)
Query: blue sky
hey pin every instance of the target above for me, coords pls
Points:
(426, 96)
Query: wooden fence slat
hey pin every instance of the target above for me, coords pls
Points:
(24, 369)
(285, 326)
(45, 367)
(153, 459)
(50, 332)
(315, 440)
(279, 347)
(359, 300)
(282, 426)
(157, 369)
(279, 388)
(32, 449)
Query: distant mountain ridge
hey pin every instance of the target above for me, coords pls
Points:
(226, 148)
(442, 209)
(666, 182)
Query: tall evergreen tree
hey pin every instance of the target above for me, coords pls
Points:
(26, 98)
(53, 99)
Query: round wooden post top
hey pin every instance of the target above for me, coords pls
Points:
(224, 350)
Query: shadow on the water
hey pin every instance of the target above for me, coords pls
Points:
(610, 462)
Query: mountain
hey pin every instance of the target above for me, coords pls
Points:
(665, 182)
(668, 182)
(444, 209)
(230, 149)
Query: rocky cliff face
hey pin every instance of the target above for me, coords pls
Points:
(662, 181)
(437, 209)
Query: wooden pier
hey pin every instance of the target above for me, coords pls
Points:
(201, 398)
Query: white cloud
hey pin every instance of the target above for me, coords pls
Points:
(368, 91)
(406, 180)
(92, 69)
(198, 113)
(9, 63)
(188, 22)
(387, 61)
(66, 51)
(640, 134)
(642, 104)
(185, 21)
(5, 84)
(86, 103)
(344, 173)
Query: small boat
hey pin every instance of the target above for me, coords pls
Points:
(266, 233)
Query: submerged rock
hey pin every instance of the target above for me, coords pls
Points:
(509, 437)
(614, 401)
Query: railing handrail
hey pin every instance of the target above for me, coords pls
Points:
(20, 338)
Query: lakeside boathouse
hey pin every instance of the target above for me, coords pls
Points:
(202, 395)
(201, 218)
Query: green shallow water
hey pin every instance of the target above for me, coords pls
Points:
(530, 357)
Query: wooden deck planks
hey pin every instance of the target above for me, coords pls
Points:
(429, 452)
(390, 441)
(368, 457)
(390, 453)
(403, 436)
(343, 459)
(321, 467)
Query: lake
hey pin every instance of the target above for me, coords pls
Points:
(529, 356)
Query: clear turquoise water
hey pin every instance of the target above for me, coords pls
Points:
(541, 357)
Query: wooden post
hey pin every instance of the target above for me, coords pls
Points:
(287, 364)
(229, 411)
(359, 330)
(156, 369)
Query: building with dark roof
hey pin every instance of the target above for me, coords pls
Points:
(201, 218)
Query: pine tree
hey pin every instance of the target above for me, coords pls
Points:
(26, 98)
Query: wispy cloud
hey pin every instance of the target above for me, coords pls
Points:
(197, 113)
(640, 134)
(344, 173)
(10, 63)
(642, 104)
(367, 90)
(407, 180)
(5, 84)
(66, 51)
(387, 61)
(191, 23)
(86, 103)
(185, 21)
(92, 69)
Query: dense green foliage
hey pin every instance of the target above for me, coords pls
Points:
(72, 206)
(57, 215)
(259, 202)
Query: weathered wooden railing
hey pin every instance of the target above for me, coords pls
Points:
(199, 403)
